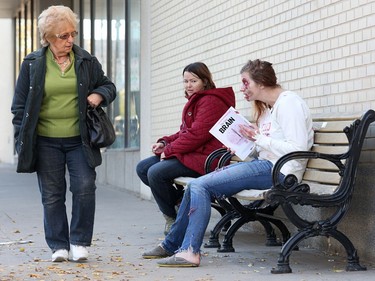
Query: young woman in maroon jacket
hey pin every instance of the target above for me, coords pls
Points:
(184, 153)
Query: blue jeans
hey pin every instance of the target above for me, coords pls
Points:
(159, 175)
(54, 155)
(188, 231)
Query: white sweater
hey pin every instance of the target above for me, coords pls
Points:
(285, 128)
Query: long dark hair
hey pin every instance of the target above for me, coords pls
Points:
(202, 71)
(261, 72)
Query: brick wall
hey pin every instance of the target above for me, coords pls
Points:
(322, 49)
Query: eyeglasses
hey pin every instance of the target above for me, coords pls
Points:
(65, 36)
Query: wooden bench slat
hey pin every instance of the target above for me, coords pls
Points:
(251, 195)
(330, 118)
(331, 125)
(324, 138)
(330, 149)
(183, 180)
(321, 164)
(321, 176)
(321, 189)
(257, 194)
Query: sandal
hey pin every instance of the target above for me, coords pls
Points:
(156, 253)
(174, 261)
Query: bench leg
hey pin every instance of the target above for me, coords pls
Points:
(255, 211)
(313, 229)
(223, 207)
(286, 250)
(281, 226)
(271, 235)
(213, 241)
(291, 244)
(227, 245)
(227, 215)
(221, 210)
(352, 256)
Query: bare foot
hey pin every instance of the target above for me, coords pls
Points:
(189, 256)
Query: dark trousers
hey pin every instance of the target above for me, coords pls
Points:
(159, 175)
(55, 155)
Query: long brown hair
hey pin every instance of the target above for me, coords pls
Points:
(201, 70)
(261, 72)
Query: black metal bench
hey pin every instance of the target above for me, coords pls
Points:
(328, 182)
(290, 192)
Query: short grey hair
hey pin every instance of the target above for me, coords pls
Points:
(51, 17)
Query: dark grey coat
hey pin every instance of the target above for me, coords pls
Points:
(28, 98)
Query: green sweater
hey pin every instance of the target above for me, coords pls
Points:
(59, 114)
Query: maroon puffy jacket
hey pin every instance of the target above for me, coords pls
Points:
(193, 143)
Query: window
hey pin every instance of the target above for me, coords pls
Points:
(118, 70)
(132, 98)
(26, 37)
(86, 25)
(125, 71)
(100, 31)
(109, 30)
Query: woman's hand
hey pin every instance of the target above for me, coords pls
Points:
(249, 132)
(94, 99)
(162, 156)
(229, 149)
(158, 148)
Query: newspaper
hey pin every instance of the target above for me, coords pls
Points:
(227, 131)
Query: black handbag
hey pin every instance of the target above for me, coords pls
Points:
(100, 128)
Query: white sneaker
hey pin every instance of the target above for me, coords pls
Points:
(79, 253)
(60, 255)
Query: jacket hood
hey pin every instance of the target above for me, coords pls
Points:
(225, 94)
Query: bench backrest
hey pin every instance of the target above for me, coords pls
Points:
(329, 138)
(337, 189)
(341, 136)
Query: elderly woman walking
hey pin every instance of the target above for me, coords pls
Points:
(55, 86)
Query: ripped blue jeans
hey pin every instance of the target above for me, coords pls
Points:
(193, 216)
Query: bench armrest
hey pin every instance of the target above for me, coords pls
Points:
(215, 157)
(290, 189)
(291, 180)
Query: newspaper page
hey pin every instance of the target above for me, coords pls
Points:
(227, 131)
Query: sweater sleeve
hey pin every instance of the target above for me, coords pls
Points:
(292, 118)
(102, 85)
(19, 100)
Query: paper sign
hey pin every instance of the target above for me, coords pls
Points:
(227, 131)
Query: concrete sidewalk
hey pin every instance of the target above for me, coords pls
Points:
(125, 226)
